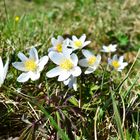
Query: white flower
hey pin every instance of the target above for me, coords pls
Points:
(60, 45)
(79, 43)
(31, 66)
(67, 66)
(116, 63)
(71, 82)
(57, 44)
(110, 48)
(3, 70)
(91, 61)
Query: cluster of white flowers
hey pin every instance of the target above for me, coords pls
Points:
(115, 62)
(63, 54)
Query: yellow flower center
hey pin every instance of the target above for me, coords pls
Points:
(16, 18)
(91, 60)
(66, 64)
(115, 64)
(78, 44)
(59, 47)
(30, 65)
(109, 48)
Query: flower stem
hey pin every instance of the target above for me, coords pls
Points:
(109, 56)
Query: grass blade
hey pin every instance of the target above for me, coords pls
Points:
(117, 118)
(61, 133)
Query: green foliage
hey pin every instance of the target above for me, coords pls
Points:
(40, 1)
(123, 39)
(117, 118)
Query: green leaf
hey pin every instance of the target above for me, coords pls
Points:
(93, 88)
(117, 118)
(74, 101)
(123, 40)
(61, 132)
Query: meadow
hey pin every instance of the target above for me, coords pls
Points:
(98, 102)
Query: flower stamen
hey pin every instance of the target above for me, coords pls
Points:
(66, 64)
(59, 47)
(30, 65)
(78, 44)
(115, 64)
(91, 60)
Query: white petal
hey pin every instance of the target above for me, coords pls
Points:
(51, 49)
(54, 72)
(109, 61)
(1, 72)
(109, 48)
(23, 77)
(89, 70)
(34, 75)
(66, 82)
(105, 47)
(123, 65)
(66, 51)
(87, 53)
(64, 75)
(94, 67)
(53, 41)
(56, 57)
(75, 83)
(72, 45)
(76, 71)
(22, 57)
(112, 50)
(86, 43)
(115, 57)
(83, 38)
(60, 39)
(74, 59)
(42, 62)
(6, 68)
(1, 63)
(72, 83)
(113, 46)
(33, 54)
(83, 63)
(121, 59)
(119, 70)
(74, 38)
(19, 66)
(66, 42)
(1, 68)
(98, 58)
(1, 81)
